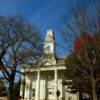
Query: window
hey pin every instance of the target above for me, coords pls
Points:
(33, 93)
(51, 92)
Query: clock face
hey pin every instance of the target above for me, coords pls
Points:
(49, 38)
(47, 48)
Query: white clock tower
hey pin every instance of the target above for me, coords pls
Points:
(49, 48)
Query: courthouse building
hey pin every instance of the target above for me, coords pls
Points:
(44, 83)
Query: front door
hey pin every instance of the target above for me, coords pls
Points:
(51, 94)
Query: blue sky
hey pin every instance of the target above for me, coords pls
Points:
(42, 13)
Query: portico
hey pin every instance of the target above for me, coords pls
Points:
(47, 83)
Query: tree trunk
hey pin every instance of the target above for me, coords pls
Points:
(93, 83)
(11, 84)
(80, 92)
(11, 87)
(94, 89)
(10, 94)
(90, 96)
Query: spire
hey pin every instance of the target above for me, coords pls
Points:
(49, 36)
(49, 42)
(49, 47)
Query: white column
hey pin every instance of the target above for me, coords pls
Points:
(45, 93)
(27, 87)
(37, 93)
(22, 87)
(61, 89)
(56, 83)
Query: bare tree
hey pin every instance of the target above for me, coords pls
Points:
(20, 44)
